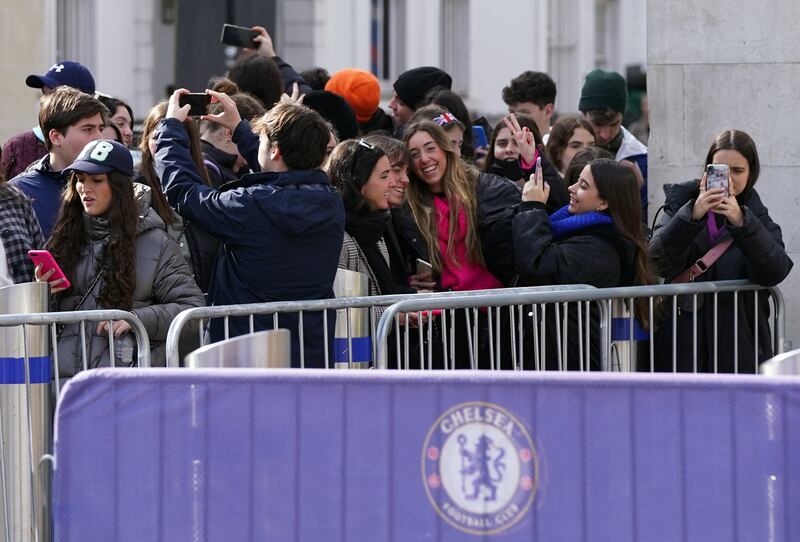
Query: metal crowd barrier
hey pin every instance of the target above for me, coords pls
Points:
(344, 306)
(534, 304)
(29, 392)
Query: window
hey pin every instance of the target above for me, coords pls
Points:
(455, 43)
(387, 38)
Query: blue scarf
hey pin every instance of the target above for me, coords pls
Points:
(562, 223)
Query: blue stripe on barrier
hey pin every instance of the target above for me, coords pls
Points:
(362, 350)
(12, 370)
(620, 330)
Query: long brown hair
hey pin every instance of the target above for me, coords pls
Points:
(148, 170)
(69, 234)
(617, 185)
(459, 184)
(559, 138)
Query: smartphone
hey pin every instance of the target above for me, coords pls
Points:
(198, 102)
(48, 262)
(479, 137)
(423, 267)
(718, 176)
(238, 36)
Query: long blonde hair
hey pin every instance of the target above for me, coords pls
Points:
(459, 184)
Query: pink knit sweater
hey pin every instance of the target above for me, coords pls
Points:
(458, 273)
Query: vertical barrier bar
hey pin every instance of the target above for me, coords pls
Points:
(445, 349)
(499, 326)
(83, 345)
(452, 338)
(535, 331)
(491, 338)
(631, 338)
(430, 339)
(421, 342)
(557, 308)
(755, 324)
(694, 332)
(520, 328)
(226, 323)
(349, 338)
(650, 327)
(475, 349)
(302, 342)
(252, 323)
(580, 335)
(407, 349)
(325, 339)
(588, 336)
(543, 335)
(716, 337)
(467, 324)
(674, 334)
(735, 332)
(111, 356)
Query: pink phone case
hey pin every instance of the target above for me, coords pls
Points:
(45, 258)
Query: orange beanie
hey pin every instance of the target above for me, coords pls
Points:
(360, 89)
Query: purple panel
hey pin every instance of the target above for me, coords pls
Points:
(390, 456)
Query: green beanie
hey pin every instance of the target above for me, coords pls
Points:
(603, 89)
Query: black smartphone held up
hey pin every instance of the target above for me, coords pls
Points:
(198, 102)
(238, 36)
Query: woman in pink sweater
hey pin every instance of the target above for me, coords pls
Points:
(456, 207)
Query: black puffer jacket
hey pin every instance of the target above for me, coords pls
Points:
(558, 191)
(597, 255)
(757, 254)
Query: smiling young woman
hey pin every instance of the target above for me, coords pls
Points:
(457, 210)
(596, 239)
(363, 175)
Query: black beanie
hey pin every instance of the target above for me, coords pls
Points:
(335, 110)
(603, 89)
(412, 85)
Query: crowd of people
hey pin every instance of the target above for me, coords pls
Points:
(291, 176)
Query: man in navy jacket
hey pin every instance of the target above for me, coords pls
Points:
(281, 228)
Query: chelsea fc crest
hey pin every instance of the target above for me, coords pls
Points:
(480, 468)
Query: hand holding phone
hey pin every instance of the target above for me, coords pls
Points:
(198, 103)
(424, 267)
(238, 36)
(718, 176)
(47, 270)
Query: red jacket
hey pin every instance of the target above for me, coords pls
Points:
(19, 152)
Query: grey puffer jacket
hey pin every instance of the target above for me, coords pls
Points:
(164, 287)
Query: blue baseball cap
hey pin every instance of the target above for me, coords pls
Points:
(69, 73)
(102, 156)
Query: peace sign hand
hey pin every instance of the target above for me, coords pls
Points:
(523, 137)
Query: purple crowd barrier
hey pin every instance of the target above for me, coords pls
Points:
(207, 455)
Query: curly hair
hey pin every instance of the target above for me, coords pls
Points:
(69, 234)
(535, 87)
(560, 135)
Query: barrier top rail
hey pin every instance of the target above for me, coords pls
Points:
(71, 317)
(251, 309)
(491, 298)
